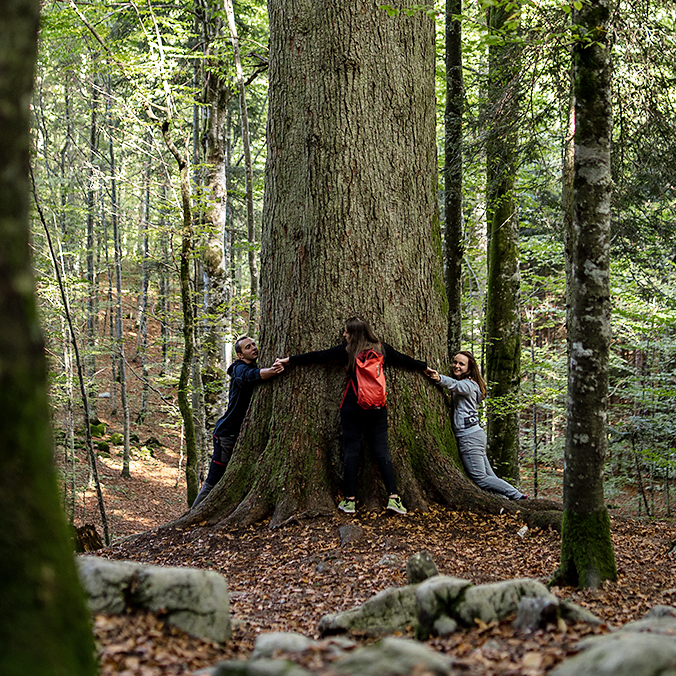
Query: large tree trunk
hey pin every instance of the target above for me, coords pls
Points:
(43, 618)
(350, 225)
(503, 312)
(587, 556)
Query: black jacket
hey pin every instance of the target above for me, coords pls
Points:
(243, 378)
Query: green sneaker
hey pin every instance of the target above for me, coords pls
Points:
(395, 505)
(347, 506)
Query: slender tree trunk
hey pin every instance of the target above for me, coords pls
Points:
(64, 171)
(503, 312)
(92, 298)
(164, 286)
(453, 235)
(229, 241)
(248, 170)
(216, 273)
(567, 175)
(587, 556)
(184, 272)
(188, 320)
(119, 331)
(143, 297)
(80, 371)
(110, 314)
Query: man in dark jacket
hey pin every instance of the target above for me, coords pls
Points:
(244, 376)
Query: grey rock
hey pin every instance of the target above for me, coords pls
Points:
(106, 583)
(573, 613)
(488, 602)
(267, 645)
(444, 626)
(195, 601)
(623, 654)
(350, 532)
(390, 610)
(536, 613)
(436, 598)
(661, 611)
(394, 657)
(665, 624)
(420, 566)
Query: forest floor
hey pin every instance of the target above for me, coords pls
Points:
(287, 579)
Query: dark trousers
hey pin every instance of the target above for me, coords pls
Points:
(372, 424)
(219, 462)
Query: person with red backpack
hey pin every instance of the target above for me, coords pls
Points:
(363, 409)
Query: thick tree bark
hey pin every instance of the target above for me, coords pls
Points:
(453, 232)
(503, 312)
(587, 556)
(43, 618)
(350, 226)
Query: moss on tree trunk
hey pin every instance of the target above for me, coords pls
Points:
(587, 556)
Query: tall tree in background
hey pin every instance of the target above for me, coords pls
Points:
(248, 169)
(217, 293)
(503, 311)
(453, 232)
(587, 556)
(40, 596)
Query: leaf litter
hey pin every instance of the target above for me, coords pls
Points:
(287, 579)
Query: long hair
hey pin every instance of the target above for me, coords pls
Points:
(361, 338)
(474, 372)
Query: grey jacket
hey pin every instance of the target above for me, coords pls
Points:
(466, 396)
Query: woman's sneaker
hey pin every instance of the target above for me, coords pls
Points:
(347, 506)
(395, 505)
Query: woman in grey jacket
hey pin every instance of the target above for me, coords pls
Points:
(467, 390)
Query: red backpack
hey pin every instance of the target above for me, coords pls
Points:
(370, 379)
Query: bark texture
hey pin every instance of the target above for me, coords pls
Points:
(43, 620)
(586, 550)
(214, 259)
(454, 245)
(503, 309)
(350, 227)
(188, 321)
